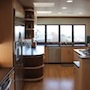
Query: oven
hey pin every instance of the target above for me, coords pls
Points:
(6, 83)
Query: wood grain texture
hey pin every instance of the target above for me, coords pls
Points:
(56, 77)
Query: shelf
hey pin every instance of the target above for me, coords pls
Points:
(29, 33)
(29, 23)
(31, 10)
(29, 28)
(29, 19)
(34, 79)
(38, 67)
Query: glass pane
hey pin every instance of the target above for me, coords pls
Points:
(39, 33)
(52, 33)
(79, 33)
(66, 33)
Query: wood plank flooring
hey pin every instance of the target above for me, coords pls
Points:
(56, 77)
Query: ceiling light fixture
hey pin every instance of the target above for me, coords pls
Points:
(59, 12)
(69, 1)
(80, 13)
(44, 12)
(64, 7)
(43, 4)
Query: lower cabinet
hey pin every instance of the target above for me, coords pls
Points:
(66, 54)
(76, 78)
(46, 55)
(33, 68)
(82, 74)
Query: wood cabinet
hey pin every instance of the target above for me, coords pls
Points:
(76, 78)
(29, 23)
(33, 68)
(46, 55)
(82, 74)
(66, 54)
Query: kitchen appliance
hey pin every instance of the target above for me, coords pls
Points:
(19, 36)
(54, 54)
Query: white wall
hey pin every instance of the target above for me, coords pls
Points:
(85, 21)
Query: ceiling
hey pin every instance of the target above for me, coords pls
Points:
(75, 8)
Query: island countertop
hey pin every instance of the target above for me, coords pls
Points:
(82, 54)
(28, 51)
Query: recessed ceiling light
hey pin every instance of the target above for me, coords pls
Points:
(43, 12)
(59, 12)
(64, 7)
(80, 13)
(43, 4)
(69, 1)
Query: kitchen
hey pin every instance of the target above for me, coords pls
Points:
(6, 39)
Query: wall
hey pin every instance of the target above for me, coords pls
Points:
(6, 33)
(66, 21)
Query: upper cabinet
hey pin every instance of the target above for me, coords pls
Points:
(29, 23)
(19, 10)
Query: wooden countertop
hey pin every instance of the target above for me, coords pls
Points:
(82, 54)
(28, 51)
(4, 72)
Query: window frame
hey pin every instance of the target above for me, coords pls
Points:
(59, 40)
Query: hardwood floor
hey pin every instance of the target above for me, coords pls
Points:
(56, 77)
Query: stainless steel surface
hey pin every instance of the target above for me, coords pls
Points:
(54, 54)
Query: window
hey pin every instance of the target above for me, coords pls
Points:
(40, 33)
(66, 33)
(52, 33)
(79, 33)
(60, 33)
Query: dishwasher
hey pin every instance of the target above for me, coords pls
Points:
(53, 54)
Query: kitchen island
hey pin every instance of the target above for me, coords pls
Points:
(33, 63)
(81, 69)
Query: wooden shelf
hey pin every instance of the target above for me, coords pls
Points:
(38, 67)
(35, 79)
(29, 34)
(29, 10)
(29, 23)
(33, 68)
(29, 28)
(29, 19)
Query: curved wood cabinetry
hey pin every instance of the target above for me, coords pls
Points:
(33, 67)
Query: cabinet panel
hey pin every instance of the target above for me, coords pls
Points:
(29, 34)
(46, 55)
(33, 67)
(66, 54)
(76, 78)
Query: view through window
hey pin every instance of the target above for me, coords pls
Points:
(60, 33)
(52, 33)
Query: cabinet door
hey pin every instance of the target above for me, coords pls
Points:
(46, 55)
(76, 57)
(76, 78)
(66, 54)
